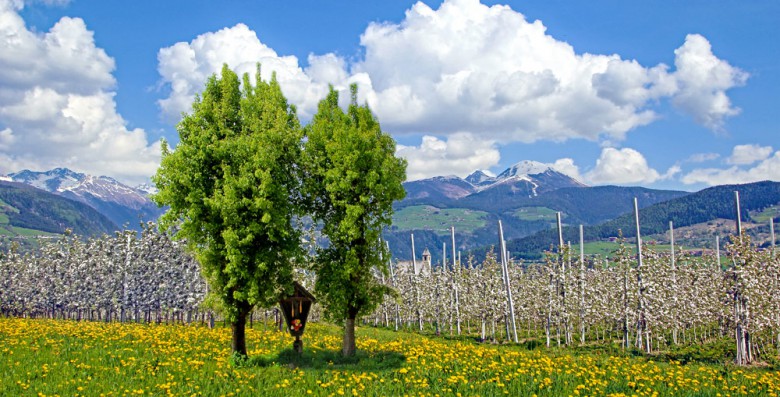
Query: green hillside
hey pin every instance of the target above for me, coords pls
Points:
(426, 217)
(26, 211)
(758, 200)
(536, 214)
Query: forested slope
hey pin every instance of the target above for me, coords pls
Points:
(23, 206)
(705, 205)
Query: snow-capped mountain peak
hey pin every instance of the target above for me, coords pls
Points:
(525, 167)
(56, 180)
(480, 178)
(526, 178)
(147, 188)
(119, 202)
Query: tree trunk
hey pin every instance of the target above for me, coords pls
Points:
(238, 326)
(349, 348)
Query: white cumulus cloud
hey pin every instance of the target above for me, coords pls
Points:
(460, 155)
(566, 166)
(622, 167)
(748, 154)
(766, 169)
(6, 139)
(184, 68)
(57, 105)
(469, 67)
(703, 80)
(488, 70)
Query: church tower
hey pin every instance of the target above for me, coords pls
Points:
(426, 259)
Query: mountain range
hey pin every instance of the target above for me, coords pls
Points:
(527, 179)
(28, 211)
(525, 198)
(125, 206)
(759, 202)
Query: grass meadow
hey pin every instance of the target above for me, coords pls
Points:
(69, 358)
(425, 217)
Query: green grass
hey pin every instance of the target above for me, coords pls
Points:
(536, 214)
(4, 209)
(7, 207)
(7, 230)
(21, 231)
(425, 217)
(766, 214)
(50, 357)
(606, 248)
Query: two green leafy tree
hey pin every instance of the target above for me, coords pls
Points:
(245, 169)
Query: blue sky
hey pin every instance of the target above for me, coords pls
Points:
(663, 94)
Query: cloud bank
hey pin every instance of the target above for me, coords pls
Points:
(467, 76)
(615, 166)
(749, 162)
(481, 70)
(460, 155)
(57, 103)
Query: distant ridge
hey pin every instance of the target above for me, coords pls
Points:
(526, 178)
(24, 207)
(525, 197)
(706, 205)
(122, 204)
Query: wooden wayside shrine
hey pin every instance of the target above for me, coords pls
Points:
(296, 309)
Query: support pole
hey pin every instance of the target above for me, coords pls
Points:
(674, 283)
(414, 257)
(739, 215)
(505, 267)
(455, 281)
(582, 286)
(392, 279)
(560, 231)
(444, 256)
(641, 325)
(717, 251)
(561, 285)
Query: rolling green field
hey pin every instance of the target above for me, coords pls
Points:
(5, 227)
(4, 209)
(536, 214)
(426, 217)
(606, 249)
(69, 358)
(766, 214)
(7, 230)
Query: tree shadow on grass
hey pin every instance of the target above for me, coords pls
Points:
(326, 359)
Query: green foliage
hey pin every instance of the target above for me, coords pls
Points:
(353, 179)
(231, 185)
(321, 360)
(718, 351)
(763, 215)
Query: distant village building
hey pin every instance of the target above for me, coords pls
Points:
(422, 266)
